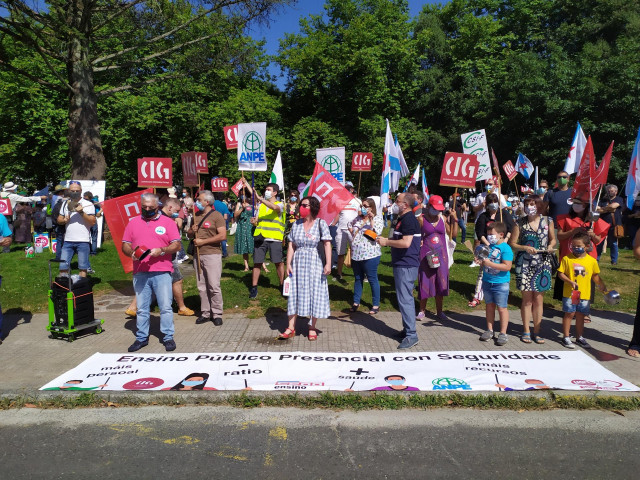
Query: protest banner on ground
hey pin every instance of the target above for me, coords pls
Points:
(361, 161)
(459, 170)
(475, 143)
(332, 160)
(219, 184)
(286, 371)
(231, 136)
(189, 170)
(117, 212)
(155, 172)
(252, 146)
(332, 195)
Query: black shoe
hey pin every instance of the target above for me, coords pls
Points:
(217, 321)
(253, 292)
(137, 345)
(169, 345)
(201, 320)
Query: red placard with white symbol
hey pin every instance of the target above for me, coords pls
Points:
(459, 170)
(510, 170)
(361, 161)
(231, 136)
(219, 184)
(5, 206)
(155, 172)
(237, 187)
(201, 161)
(189, 170)
(117, 213)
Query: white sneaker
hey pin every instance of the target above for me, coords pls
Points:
(420, 316)
(566, 342)
(474, 264)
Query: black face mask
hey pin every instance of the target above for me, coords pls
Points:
(75, 195)
(149, 213)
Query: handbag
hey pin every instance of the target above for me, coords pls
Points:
(618, 230)
(191, 248)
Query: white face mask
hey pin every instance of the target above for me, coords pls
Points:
(267, 195)
(493, 206)
(531, 210)
(394, 209)
(493, 239)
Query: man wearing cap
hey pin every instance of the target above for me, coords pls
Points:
(405, 259)
(78, 216)
(150, 240)
(342, 221)
(9, 192)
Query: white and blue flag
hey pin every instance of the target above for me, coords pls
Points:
(524, 166)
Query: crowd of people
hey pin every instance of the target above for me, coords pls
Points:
(305, 249)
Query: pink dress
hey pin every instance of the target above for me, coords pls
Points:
(433, 281)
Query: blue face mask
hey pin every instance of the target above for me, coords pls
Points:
(199, 205)
(363, 211)
(175, 215)
(578, 250)
(192, 383)
(294, 199)
(395, 382)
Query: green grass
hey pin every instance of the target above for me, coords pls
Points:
(25, 284)
(333, 401)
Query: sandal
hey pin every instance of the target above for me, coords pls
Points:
(288, 333)
(633, 352)
(538, 339)
(374, 310)
(355, 307)
(587, 319)
(313, 335)
(474, 303)
(525, 338)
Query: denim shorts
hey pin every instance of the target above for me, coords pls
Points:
(497, 293)
(176, 274)
(69, 249)
(569, 307)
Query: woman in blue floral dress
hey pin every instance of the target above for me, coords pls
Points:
(309, 294)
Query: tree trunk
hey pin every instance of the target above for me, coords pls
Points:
(85, 144)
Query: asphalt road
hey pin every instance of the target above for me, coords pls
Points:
(265, 443)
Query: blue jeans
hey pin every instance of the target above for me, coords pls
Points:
(463, 229)
(94, 239)
(71, 248)
(405, 279)
(333, 230)
(223, 244)
(497, 293)
(612, 243)
(145, 285)
(370, 269)
(1, 317)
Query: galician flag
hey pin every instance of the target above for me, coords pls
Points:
(524, 166)
(414, 178)
(393, 167)
(425, 189)
(633, 179)
(579, 143)
(276, 174)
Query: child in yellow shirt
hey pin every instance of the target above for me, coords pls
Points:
(576, 271)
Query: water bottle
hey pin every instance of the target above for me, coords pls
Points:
(286, 286)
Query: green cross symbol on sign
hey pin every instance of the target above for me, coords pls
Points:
(332, 163)
(252, 142)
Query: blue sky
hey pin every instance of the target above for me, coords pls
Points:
(286, 21)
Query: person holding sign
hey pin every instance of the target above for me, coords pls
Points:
(268, 234)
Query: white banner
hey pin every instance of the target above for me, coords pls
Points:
(416, 371)
(97, 187)
(252, 146)
(332, 160)
(475, 143)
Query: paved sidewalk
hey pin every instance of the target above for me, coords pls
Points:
(30, 359)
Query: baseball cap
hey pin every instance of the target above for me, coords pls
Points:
(436, 202)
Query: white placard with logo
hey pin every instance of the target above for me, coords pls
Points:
(285, 371)
(332, 160)
(252, 146)
(475, 143)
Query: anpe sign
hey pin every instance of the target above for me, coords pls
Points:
(231, 136)
(5, 206)
(189, 170)
(219, 184)
(155, 172)
(459, 170)
(510, 170)
(361, 161)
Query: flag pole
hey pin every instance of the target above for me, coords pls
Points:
(499, 194)
(516, 185)
(359, 180)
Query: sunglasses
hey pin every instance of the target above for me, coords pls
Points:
(74, 182)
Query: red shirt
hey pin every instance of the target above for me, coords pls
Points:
(566, 223)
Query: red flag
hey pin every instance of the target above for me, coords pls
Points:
(496, 168)
(581, 185)
(117, 213)
(601, 173)
(332, 195)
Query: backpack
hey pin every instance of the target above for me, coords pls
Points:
(55, 211)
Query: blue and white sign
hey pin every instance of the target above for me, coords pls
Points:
(332, 160)
(252, 146)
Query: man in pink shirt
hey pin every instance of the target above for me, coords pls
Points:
(152, 273)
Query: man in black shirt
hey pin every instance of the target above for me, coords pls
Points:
(557, 198)
(610, 210)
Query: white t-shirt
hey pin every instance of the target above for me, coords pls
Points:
(348, 213)
(77, 230)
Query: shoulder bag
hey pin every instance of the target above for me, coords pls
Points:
(191, 248)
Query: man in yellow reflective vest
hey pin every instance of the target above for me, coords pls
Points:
(268, 235)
